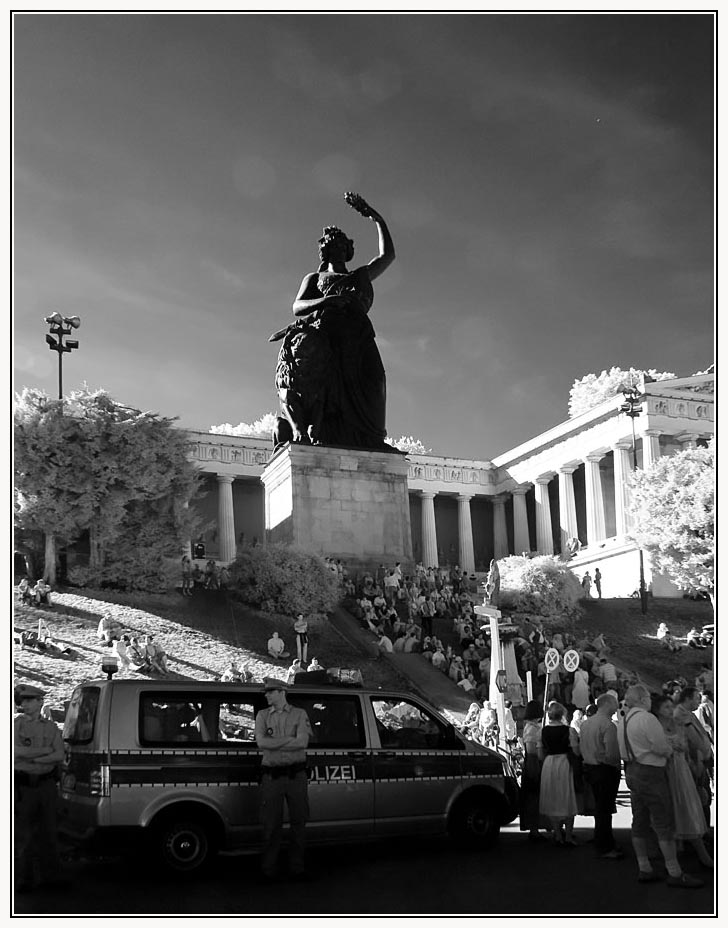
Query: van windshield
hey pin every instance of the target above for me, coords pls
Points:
(81, 715)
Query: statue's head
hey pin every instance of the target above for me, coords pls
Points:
(334, 240)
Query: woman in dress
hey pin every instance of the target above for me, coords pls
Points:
(557, 796)
(690, 822)
(529, 818)
(330, 377)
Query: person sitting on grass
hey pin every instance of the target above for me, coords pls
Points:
(695, 639)
(277, 647)
(231, 674)
(155, 655)
(664, 635)
(108, 629)
(41, 593)
(24, 591)
(135, 652)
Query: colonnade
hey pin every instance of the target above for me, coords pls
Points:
(596, 523)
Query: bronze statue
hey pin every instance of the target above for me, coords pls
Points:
(330, 378)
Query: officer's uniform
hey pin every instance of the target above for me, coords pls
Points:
(36, 796)
(283, 777)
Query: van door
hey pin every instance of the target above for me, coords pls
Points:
(417, 766)
(341, 788)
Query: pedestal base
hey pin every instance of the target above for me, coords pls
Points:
(340, 503)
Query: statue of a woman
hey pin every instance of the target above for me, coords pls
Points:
(330, 378)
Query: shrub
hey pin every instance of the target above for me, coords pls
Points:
(541, 587)
(278, 579)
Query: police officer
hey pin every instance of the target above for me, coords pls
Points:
(282, 732)
(38, 751)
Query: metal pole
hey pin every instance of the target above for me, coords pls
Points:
(643, 589)
(60, 375)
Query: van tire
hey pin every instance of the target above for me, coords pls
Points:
(184, 845)
(475, 821)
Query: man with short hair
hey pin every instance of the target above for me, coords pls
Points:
(282, 733)
(277, 647)
(644, 748)
(38, 749)
(602, 765)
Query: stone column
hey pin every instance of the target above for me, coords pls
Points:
(689, 440)
(429, 532)
(622, 469)
(500, 530)
(466, 550)
(650, 447)
(225, 517)
(544, 535)
(595, 530)
(521, 539)
(567, 505)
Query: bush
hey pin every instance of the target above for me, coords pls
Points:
(278, 579)
(541, 587)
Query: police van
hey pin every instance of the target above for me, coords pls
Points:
(175, 764)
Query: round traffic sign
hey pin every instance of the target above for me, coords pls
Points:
(552, 658)
(571, 660)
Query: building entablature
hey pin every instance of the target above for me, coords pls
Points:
(234, 455)
(453, 476)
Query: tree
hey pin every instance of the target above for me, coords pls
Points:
(91, 464)
(281, 579)
(544, 588)
(261, 428)
(672, 508)
(409, 444)
(593, 389)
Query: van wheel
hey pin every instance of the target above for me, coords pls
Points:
(185, 846)
(474, 822)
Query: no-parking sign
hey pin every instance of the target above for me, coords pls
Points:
(571, 660)
(552, 658)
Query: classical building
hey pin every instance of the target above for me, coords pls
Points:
(568, 482)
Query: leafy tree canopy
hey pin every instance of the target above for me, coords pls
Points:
(263, 428)
(542, 588)
(593, 389)
(673, 516)
(91, 464)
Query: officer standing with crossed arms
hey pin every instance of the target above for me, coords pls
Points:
(38, 749)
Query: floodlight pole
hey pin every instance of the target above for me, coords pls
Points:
(61, 326)
(632, 408)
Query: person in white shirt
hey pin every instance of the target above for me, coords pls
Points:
(385, 644)
(277, 647)
(644, 748)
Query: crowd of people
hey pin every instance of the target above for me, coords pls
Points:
(140, 654)
(573, 762)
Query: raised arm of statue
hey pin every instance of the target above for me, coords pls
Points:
(386, 254)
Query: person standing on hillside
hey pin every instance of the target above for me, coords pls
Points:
(598, 582)
(38, 750)
(282, 733)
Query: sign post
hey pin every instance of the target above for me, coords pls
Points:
(495, 696)
(551, 661)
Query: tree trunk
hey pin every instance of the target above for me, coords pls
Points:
(96, 554)
(49, 567)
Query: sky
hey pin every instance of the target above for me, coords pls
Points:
(547, 180)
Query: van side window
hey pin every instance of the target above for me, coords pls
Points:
(81, 715)
(196, 718)
(336, 719)
(404, 724)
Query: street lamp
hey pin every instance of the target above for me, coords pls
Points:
(633, 408)
(60, 326)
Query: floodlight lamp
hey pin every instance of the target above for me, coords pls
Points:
(73, 321)
(54, 319)
(51, 341)
(71, 343)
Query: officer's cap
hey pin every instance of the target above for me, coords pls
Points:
(270, 683)
(26, 691)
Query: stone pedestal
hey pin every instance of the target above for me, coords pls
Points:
(347, 504)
